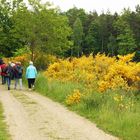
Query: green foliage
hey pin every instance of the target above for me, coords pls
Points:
(125, 39)
(21, 51)
(8, 41)
(75, 13)
(112, 45)
(75, 32)
(42, 29)
(77, 36)
(93, 39)
(42, 61)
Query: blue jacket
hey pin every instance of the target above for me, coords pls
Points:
(31, 72)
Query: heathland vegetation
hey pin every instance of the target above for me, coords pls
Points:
(87, 62)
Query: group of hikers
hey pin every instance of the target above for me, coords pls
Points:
(14, 71)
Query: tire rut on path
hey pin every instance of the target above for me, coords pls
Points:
(31, 116)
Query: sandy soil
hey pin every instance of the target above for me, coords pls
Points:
(31, 116)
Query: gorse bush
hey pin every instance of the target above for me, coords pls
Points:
(41, 60)
(100, 72)
(123, 74)
(24, 59)
(74, 98)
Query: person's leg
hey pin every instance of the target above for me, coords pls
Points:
(29, 83)
(3, 80)
(16, 83)
(20, 83)
(8, 82)
(33, 82)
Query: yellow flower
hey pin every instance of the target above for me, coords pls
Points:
(74, 98)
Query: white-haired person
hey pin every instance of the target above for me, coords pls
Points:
(31, 74)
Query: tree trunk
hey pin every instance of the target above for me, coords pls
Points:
(102, 45)
(32, 50)
(71, 51)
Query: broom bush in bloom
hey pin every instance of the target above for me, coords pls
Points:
(122, 74)
(100, 72)
(24, 59)
(74, 98)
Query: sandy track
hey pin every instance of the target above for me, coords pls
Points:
(31, 116)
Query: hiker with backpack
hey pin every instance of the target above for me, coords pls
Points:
(9, 72)
(18, 71)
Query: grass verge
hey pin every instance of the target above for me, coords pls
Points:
(3, 128)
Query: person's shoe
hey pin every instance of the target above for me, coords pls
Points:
(29, 89)
(8, 88)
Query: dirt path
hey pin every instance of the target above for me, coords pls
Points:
(33, 117)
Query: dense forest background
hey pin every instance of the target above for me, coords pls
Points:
(40, 29)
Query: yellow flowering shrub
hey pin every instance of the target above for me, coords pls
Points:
(123, 73)
(61, 70)
(78, 70)
(25, 58)
(74, 98)
(100, 71)
(102, 64)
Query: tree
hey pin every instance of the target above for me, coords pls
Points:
(8, 40)
(42, 29)
(93, 39)
(72, 15)
(125, 38)
(112, 45)
(75, 13)
(77, 36)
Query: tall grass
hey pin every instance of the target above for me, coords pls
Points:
(99, 108)
(55, 89)
(3, 128)
(124, 123)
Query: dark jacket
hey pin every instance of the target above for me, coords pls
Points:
(9, 72)
(18, 71)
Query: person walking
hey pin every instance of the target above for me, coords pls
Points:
(18, 71)
(3, 73)
(9, 74)
(31, 74)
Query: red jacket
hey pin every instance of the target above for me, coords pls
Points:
(3, 66)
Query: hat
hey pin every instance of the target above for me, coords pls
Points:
(31, 63)
(12, 64)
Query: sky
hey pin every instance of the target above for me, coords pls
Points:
(98, 5)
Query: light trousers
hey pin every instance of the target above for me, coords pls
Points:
(18, 81)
